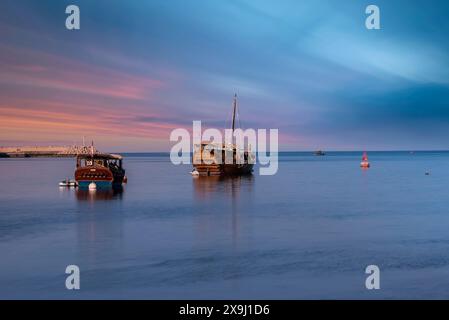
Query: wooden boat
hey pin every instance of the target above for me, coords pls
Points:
(104, 170)
(209, 164)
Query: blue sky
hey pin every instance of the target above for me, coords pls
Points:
(309, 68)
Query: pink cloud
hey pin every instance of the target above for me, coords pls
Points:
(44, 70)
(52, 96)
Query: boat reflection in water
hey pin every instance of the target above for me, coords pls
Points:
(115, 193)
(222, 204)
(219, 186)
(100, 228)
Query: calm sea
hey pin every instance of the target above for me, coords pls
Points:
(307, 232)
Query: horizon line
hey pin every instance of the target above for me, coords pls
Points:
(312, 151)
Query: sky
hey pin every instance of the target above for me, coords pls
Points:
(136, 70)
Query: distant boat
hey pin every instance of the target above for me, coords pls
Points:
(365, 162)
(103, 170)
(208, 164)
(319, 153)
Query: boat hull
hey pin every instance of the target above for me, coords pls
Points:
(237, 169)
(224, 169)
(101, 176)
(84, 184)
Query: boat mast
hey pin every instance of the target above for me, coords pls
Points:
(233, 113)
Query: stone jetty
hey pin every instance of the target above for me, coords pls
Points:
(44, 151)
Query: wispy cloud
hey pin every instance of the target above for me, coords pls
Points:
(43, 70)
(46, 97)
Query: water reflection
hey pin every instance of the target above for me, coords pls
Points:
(99, 194)
(222, 202)
(100, 224)
(208, 187)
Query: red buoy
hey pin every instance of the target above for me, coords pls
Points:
(365, 162)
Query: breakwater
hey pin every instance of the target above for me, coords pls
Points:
(44, 151)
